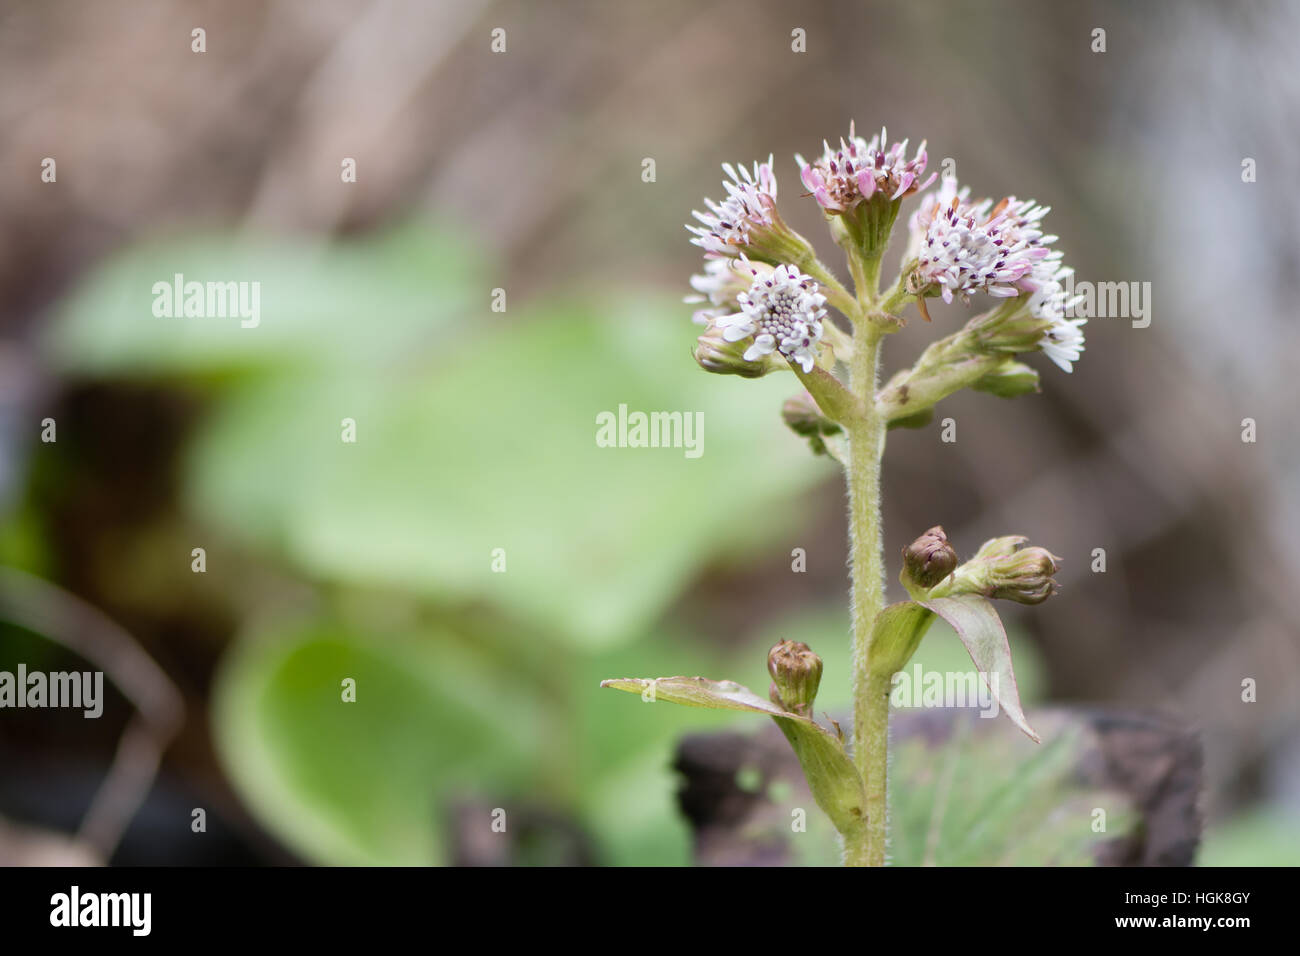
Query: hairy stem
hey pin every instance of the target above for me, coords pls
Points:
(870, 705)
(866, 277)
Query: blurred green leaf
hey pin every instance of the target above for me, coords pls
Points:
(469, 425)
(1268, 837)
(334, 306)
(359, 783)
(453, 464)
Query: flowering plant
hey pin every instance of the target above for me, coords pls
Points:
(764, 298)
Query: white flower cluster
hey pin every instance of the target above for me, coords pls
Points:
(750, 289)
(783, 312)
(726, 229)
(963, 247)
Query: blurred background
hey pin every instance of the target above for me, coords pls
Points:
(521, 171)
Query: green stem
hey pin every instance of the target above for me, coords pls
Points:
(835, 293)
(870, 699)
(866, 277)
(925, 388)
(895, 297)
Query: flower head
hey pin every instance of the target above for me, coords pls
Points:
(783, 312)
(858, 170)
(963, 247)
(747, 223)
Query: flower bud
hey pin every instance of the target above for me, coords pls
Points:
(1009, 380)
(803, 417)
(715, 354)
(928, 560)
(1011, 329)
(1004, 568)
(1026, 576)
(920, 420)
(1000, 547)
(796, 674)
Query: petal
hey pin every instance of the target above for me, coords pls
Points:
(810, 178)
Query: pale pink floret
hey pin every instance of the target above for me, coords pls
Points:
(729, 227)
(843, 177)
(965, 247)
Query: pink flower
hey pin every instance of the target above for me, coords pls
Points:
(749, 210)
(858, 170)
(963, 247)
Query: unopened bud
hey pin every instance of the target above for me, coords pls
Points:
(1026, 576)
(921, 419)
(995, 548)
(715, 354)
(1004, 568)
(928, 560)
(1009, 380)
(1019, 331)
(796, 674)
(805, 418)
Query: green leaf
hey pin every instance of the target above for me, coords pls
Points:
(828, 769)
(698, 692)
(360, 783)
(895, 635)
(980, 630)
